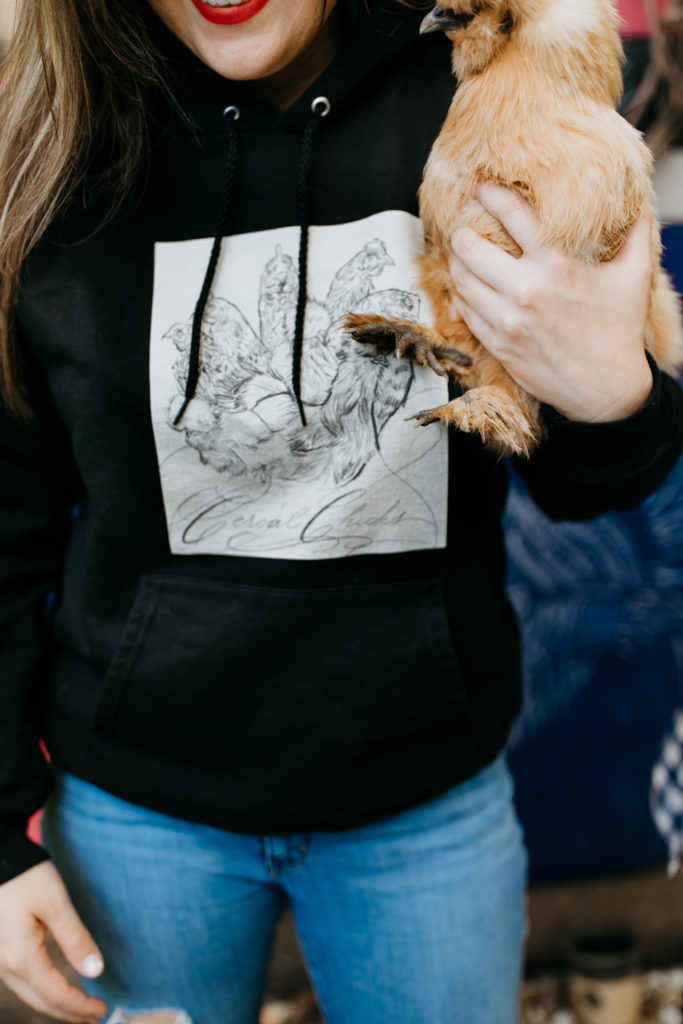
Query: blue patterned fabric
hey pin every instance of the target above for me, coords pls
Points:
(601, 610)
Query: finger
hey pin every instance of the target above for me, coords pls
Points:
(638, 243)
(70, 934)
(491, 264)
(482, 330)
(32, 999)
(514, 213)
(477, 292)
(50, 985)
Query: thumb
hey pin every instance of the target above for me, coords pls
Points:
(638, 242)
(71, 935)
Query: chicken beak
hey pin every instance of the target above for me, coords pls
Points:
(439, 20)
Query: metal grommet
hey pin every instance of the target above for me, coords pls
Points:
(322, 104)
(234, 111)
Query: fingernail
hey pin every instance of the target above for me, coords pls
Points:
(92, 966)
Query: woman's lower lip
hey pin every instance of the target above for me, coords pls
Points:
(230, 15)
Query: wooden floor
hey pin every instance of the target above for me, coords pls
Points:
(649, 902)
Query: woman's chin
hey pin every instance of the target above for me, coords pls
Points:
(244, 41)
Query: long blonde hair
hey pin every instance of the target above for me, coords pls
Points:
(73, 93)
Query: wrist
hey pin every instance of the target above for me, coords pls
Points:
(624, 397)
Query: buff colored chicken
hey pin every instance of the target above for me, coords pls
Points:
(535, 112)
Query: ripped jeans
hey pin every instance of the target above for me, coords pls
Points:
(417, 919)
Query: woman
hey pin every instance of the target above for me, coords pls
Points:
(281, 664)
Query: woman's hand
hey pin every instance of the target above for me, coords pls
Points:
(570, 334)
(32, 904)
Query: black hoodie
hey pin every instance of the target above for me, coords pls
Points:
(263, 625)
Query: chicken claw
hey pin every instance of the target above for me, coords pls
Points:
(427, 416)
(404, 338)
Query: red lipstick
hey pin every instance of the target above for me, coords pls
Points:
(230, 15)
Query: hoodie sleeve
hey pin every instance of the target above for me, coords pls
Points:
(583, 470)
(37, 492)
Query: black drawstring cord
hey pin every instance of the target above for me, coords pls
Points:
(232, 115)
(320, 107)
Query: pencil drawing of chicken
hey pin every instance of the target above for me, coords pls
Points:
(244, 420)
(354, 281)
(533, 111)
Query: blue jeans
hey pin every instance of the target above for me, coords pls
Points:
(417, 919)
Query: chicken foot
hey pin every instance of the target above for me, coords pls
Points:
(491, 412)
(405, 338)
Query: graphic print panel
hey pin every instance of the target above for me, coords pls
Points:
(241, 474)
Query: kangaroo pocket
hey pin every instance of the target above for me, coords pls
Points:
(221, 675)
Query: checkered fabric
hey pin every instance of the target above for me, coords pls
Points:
(666, 793)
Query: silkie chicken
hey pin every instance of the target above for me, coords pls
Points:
(534, 111)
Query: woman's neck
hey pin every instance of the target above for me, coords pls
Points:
(283, 88)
